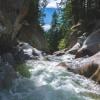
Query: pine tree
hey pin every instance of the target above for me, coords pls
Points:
(54, 34)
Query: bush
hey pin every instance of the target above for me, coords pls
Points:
(62, 44)
(23, 70)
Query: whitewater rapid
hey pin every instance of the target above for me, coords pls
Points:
(48, 82)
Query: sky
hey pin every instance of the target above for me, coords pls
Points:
(53, 3)
(48, 18)
(50, 8)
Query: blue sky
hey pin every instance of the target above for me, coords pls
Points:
(49, 10)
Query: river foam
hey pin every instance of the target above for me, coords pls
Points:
(48, 82)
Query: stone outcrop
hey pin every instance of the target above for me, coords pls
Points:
(91, 45)
(23, 51)
(18, 20)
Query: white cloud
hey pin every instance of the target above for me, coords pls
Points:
(53, 3)
(46, 27)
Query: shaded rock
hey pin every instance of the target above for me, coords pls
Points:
(73, 38)
(7, 71)
(62, 64)
(19, 20)
(33, 34)
(8, 58)
(7, 75)
(91, 45)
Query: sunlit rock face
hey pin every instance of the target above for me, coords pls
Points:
(24, 52)
(89, 67)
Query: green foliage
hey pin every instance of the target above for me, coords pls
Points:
(54, 34)
(23, 70)
(58, 35)
(62, 44)
(53, 40)
(67, 22)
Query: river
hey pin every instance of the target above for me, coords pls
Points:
(48, 82)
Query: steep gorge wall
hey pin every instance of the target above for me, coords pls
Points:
(19, 20)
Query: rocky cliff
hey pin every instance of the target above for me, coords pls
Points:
(19, 20)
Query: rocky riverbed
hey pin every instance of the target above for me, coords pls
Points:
(48, 81)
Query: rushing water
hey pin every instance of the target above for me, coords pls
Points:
(48, 82)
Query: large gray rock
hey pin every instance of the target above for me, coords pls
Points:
(91, 45)
(24, 51)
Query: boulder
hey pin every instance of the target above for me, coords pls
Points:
(89, 67)
(90, 46)
(61, 52)
(62, 64)
(24, 51)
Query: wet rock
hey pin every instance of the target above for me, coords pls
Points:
(62, 64)
(60, 53)
(24, 51)
(89, 67)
